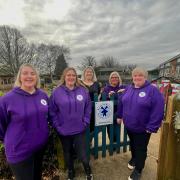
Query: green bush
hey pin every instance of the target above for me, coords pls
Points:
(1, 93)
(5, 172)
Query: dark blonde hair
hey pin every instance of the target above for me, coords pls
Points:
(62, 80)
(94, 74)
(18, 77)
(117, 74)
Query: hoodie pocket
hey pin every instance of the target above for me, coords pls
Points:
(20, 140)
(16, 146)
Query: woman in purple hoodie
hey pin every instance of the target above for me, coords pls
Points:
(141, 109)
(70, 111)
(115, 89)
(24, 124)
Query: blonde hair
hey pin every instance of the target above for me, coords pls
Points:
(62, 80)
(117, 74)
(140, 70)
(94, 74)
(18, 77)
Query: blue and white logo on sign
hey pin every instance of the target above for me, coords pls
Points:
(104, 113)
(104, 110)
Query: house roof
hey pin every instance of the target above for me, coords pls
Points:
(171, 59)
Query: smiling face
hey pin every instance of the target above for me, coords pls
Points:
(138, 79)
(28, 78)
(114, 80)
(88, 74)
(70, 78)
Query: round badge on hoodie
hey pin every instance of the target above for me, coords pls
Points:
(142, 94)
(43, 102)
(79, 97)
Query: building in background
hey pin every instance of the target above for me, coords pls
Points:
(170, 69)
(6, 82)
(103, 74)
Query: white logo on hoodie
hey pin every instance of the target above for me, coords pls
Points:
(79, 97)
(142, 94)
(43, 102)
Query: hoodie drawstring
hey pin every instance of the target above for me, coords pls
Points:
(26, 114)
(75, 103)
(37, 113)
(69, 100)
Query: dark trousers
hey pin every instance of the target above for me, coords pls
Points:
(75, 142)
(138, 144)
(29, 169)
(92, 121)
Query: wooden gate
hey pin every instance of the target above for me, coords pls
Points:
(101, 141)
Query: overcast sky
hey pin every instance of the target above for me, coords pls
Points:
(142, 32)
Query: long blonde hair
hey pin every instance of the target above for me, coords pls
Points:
(62, 79)
(18, 77)
(94, 74)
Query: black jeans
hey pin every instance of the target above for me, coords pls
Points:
(138, 144)
(75, 142)
(29, 169)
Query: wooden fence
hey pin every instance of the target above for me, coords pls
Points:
(169, 150)
(101, 141)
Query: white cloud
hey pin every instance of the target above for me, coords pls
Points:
(11, 13)
(56, 9)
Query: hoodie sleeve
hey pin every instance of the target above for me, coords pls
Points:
(87, 109)
(120, 104)
(53, 111)
(120, 107)
(157, 111)
(4, 120)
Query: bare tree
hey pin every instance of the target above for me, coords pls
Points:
(109, 61)
(47, 56)
(88, 61)
(14, 50)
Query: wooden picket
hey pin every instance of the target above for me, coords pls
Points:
(121, 137)
(169, 149)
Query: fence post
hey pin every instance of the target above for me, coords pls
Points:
(168, 150)
(177, 127)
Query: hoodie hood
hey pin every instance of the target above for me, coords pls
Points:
(144, 85)
(20, 91)
(112, 88)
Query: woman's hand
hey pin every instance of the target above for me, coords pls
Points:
(119, 120)
(111, 93)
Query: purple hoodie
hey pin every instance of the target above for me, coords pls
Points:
(108, 88)
(142, 109)
(70, 110)
(23, 123)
